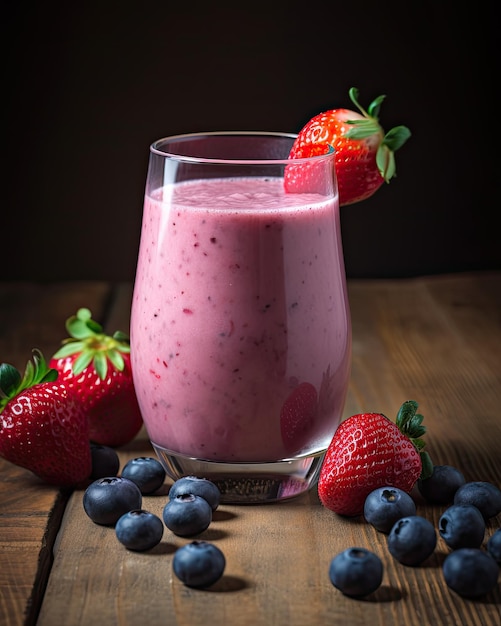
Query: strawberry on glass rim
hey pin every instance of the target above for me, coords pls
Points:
(364, 154)
(96, 368)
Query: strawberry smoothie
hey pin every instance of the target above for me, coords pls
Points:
(240, 327)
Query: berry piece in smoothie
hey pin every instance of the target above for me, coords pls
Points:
(297, 417)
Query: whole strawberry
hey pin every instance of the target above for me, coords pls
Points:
(370, 451)
(42, 427)
(96, 368)
(364, 154)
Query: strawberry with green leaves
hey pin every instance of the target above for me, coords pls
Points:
(96, 369)
(364, 153)
(42, 427)
(369, 451)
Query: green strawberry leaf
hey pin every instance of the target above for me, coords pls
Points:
(100, 363)
(406, 412)
(91, 345)
(375, 106)
(35, 373)
(392, 140)
(361, 129)
(9, 379)
(69, 347)
(123, 348)
(385, 160)
(410, 423)
(426, 466)
(419, 444)
(117, 359)
(396, 137)
(82, 361)
(120, 336)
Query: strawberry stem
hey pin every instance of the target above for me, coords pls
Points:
(410, 424)
(92, 345)
(392, 140)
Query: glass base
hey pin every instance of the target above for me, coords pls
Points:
(247, 483)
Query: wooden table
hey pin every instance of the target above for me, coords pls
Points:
(436, 340)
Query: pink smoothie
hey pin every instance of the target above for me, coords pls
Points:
(240, 327)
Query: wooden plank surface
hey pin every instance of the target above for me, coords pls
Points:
(436, 340)
(33, 316)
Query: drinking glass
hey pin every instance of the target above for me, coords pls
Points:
(240, 323)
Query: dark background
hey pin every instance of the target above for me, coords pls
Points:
(89, 85)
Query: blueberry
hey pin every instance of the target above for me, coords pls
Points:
(385, 505)
(441, 486)
(199, 564)
(187, 515)
(139, 530)
(470, 572)
(105, 461)
(147, 472)
(494, 546)
(412, 540)
(356, 572)
(107, 499)
(202, 487)
(484, 495)
(462, 526)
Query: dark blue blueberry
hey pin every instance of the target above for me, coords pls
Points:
(147, 472)
(385, 505)
(356, 572)
(202, 487)
(105, 461)
(412, 540)
(441, 486)
(470, 572)
(187, 515)
(199, 564)
(139, 530)
(107, 499)
(484, 495)
(494, 546)
(462, 526)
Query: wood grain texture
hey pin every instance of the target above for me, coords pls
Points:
(436, 340)
(32, 316)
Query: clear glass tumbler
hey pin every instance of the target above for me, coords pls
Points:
(240, 323)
